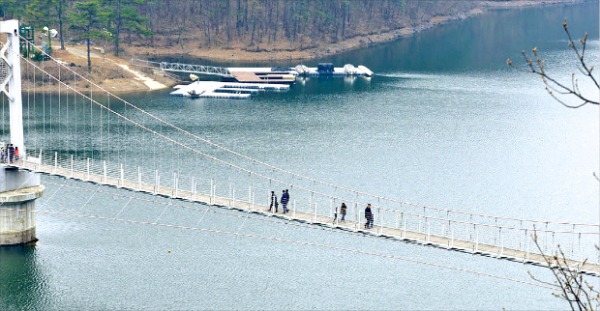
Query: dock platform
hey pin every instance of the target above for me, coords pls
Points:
(233, 90)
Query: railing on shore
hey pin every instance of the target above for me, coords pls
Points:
(196, 69)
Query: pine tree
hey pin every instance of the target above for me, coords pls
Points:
(124, 17)
(90, 20)
(48, 13)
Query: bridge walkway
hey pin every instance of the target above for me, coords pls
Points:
(401, 234)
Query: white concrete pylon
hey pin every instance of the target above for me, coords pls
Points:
(13, 85)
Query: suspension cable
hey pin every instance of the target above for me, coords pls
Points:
(299, 243)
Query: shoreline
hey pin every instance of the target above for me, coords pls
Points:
(122, 78)
(239, 55)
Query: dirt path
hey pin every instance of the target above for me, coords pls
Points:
(149, 82)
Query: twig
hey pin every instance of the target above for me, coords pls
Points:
(553, 86)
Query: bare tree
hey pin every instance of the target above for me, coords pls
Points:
(558, 89)
(569, 282)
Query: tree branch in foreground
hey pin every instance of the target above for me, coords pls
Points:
(554, 87)
(569, 283)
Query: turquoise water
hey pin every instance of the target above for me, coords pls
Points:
(443, 123)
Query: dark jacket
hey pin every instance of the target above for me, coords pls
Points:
(343, 209)
(285, 198)
(368, 213)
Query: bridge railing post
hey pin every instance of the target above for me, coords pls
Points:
(380, 220)
(233, 198)
(230, 195)
(476, 238)
(546, 238)
(250, 197)
(501, 242)
(72, 164)
(210, 199)
(122, 175)
(294, 211)
(579, 245)
(404, 228)
(448, 221)
(174, 189)
(214, 192)
(572, 240)
(315, 215)
(357, 217)
(156, 181)
(139, 177)
(310, 205)
(176, 181)
(193, 188)
(104, 173)
(526, 245)
(88, 169)
(55, 162)
(450, 229)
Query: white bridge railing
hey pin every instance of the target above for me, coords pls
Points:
(498, 236)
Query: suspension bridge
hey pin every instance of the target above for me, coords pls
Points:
(98, 137)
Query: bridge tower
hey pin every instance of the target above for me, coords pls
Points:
(18, 189)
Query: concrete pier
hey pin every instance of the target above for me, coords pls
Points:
(18, 192)
(18, 189)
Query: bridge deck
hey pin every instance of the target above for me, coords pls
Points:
(381, 231)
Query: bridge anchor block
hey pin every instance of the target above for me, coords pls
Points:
(18, 192)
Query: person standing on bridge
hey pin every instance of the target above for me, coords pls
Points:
(343, 210)
(11, 153)
(285, 198)
(16, 153)
(369, 217)
(273, 202)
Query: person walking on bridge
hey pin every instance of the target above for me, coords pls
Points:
(285, 198)
(369, 217)
(273, 202)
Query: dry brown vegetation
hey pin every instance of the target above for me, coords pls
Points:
(105, 73)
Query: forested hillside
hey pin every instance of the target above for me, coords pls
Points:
(181, 26)
(285, 24)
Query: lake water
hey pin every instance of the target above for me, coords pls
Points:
(443, 123)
